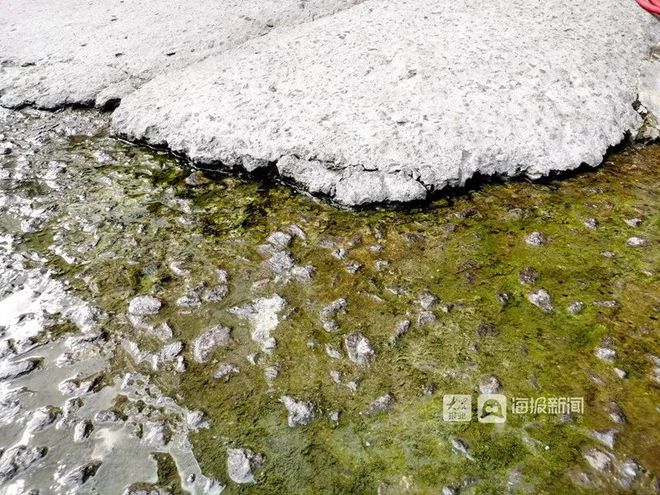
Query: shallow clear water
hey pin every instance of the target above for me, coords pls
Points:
(110, 221)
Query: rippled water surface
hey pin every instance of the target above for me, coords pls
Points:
(357, 322)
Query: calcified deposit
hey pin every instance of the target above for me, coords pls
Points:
(362, 101)
(167, 330)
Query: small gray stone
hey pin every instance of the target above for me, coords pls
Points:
(427, 300)
(528, 276)
(155, 434)
(636, 242)
(107, 416)
(359, 349)
(399, 331)
(242, 463)
(490, 384)
(606, 437)
(78, 476)
(591, 223)
(300, 412)
(607, 304)
(380, 405)
(171, 351)
(598, 460)
(629, 471)
(82, 430)
(144, 305)
(536, 239)
(208, 341)
(460, 446)
(332, 352)
(225, 370)
(281, 262)
(620, 373)
(616, 413)
(163, 331)
(606, 354)
(16, 369)
(576, 307)
(541, 299)
(279, 240)
(42, 418)
(17, 459)
(215, 294)
(196, 420)
(425, 317)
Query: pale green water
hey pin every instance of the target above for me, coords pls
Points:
(466, 250)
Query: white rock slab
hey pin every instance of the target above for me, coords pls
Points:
(59, 52)
(392, 99)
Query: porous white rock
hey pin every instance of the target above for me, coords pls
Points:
(67, 52)
(359, 348)
(209, 341)
(301, 412)
(392, 99)
(144, 305)
(263, 313)
(242, 463)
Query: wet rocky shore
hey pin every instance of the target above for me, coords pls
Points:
(170, 330)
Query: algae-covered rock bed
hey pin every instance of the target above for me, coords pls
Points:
(170, 330)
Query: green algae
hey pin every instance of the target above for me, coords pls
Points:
(466, 249)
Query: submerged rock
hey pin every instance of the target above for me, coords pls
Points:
(606, 354)
(15, 460)
(490, 385)
(300, 412)
(359, 349)
(82, 430)
(42, 418)
(636, 242)
(10, 370)
(542, 299)
(598, 460)
(536, 239)
(242, 463)
(606, 437)
(225, 370)
(528, 276)
(155, 434)
(380, 405)
(144, 305)
(205, 345)
(78, 476)
(263, 313)
(107, 416)
(576, 307)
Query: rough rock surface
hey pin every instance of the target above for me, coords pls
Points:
(300, 412)
(392, 99)
(263, 313)
(241, 464)
(67, 52)
(208, 341)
